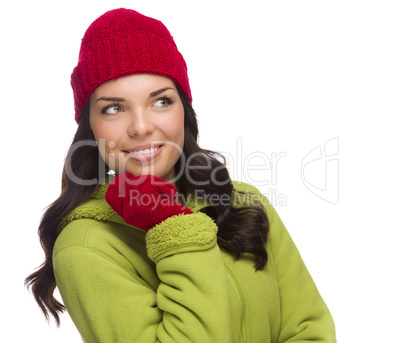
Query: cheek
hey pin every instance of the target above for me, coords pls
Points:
(107, 139)
(174, 128)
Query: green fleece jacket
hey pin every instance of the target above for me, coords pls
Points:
(174, 283)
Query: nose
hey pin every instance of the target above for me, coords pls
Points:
(140, 124)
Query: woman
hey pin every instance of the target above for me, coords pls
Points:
(170, 249)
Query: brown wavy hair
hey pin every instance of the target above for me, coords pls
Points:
(241, 229)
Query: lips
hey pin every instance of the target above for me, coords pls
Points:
(145, 152)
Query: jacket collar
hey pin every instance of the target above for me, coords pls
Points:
(97, 208)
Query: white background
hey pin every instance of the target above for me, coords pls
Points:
(283, 76)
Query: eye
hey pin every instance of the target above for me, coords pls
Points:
(163, 102)
(112, 109)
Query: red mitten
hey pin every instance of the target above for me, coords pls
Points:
(143, 201)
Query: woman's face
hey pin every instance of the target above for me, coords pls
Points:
(138, 124)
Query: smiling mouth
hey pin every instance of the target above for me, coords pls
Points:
(145, 151)
(145, 154)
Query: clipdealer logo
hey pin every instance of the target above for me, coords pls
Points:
(320, 171)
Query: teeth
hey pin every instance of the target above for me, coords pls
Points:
(146, 151)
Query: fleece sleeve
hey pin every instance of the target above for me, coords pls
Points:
(110, 302)
(304, 315)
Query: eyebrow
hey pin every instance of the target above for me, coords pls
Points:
(159, 91)
(105, 98)
(151, 95)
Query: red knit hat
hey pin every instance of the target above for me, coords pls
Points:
(124, 42)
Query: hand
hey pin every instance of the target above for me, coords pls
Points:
(143, 201)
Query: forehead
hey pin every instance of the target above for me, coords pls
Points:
(133, 85)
